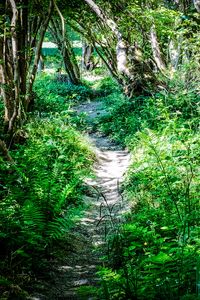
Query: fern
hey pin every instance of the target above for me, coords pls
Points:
(68, 190)
(33, 217)
(58, 228)
(41, 197)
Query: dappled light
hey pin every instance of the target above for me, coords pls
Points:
(99, 150)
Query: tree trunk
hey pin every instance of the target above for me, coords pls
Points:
(175, 53)
(33, 72)
(11, 58)
(106, 52)
(65, 48)
(88, 63)
(197, 5)
(4, 152)
(157, 55)
(16, 40)
(121, 47)
(134, 73)
(41, 64)
(16, 107)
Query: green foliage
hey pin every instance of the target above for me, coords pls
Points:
(55, 96)
(155, 254)
(57, 99)
(41, 192)
(107, 86)
(87, 291)
(178, 106)
(52, 59)
(47, 175)
(42, 189)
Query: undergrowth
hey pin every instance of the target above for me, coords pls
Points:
(128, 116)
(155, 253)
(42, 188)
(55, 96)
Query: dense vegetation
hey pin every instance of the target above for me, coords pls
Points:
(149, 84)
(41, 187)
(155, 252)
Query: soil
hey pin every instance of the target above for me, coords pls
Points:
(72, 276)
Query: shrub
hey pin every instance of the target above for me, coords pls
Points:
(107, 86)
(42, 196)
(128, 116)
(156, 253)
(55, 96)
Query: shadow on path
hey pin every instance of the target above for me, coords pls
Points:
(106, 205)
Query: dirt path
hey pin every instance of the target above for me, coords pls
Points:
(78, 270)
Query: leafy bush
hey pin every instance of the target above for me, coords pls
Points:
(128, 116)
(42, 189)
(156, 253)
(54, 96)
(107, 86)
(42, 196)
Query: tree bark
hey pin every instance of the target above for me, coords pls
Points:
(69, 58)
(88, 56)
(41, 64)
(33, 73)
(16, 42)
(175, 53)
(4, 152)
(197, 5)
(157, 55)
(134, 72)
(121, 47)
(104, 51)
(65, 48)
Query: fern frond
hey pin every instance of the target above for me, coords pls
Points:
(58, 227)
(33, 217)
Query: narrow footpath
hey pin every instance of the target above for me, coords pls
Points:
(71, 278)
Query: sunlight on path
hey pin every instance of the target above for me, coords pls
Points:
(106, 202)
(106, 206)
(110, 168)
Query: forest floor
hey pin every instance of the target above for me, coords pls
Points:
(73, 275)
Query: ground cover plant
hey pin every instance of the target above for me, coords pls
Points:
(41, 189)
(155, 253)
(152, 105)
(55, 96)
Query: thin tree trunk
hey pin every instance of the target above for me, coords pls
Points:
(110, 67)
(4, 152)
(197, 5)
(64, 46)
(175, 53)
(133, 71)
(15, 55)
(3, 78)
(105, 52)
(33, 73)
(121, 47)
(68, 55)
(157, 55)
(41, 63)
(88, 56)
(23, 46)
